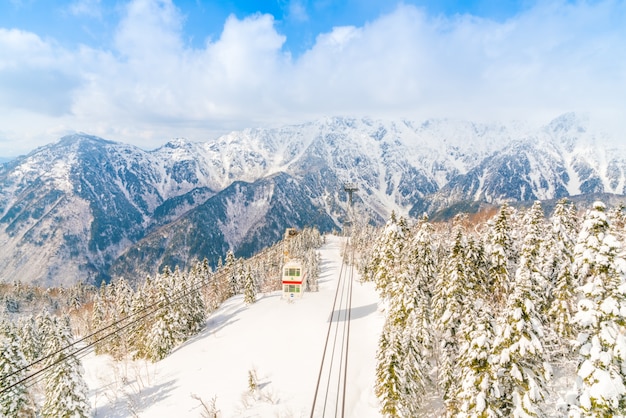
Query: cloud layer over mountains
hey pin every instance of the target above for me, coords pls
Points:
(150, 83)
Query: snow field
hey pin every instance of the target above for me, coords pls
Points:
(279, 341)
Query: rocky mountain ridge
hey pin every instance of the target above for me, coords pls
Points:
(84, 208)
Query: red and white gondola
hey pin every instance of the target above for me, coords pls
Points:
(294, 279)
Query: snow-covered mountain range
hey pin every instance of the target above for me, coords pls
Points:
(84, 208)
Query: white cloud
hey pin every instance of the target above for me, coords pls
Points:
(90, 8)
(296, 11)
(553, 58)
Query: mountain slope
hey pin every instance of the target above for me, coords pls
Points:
(244, 218)
(72, 210)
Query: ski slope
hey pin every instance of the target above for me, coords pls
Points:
(280, 341)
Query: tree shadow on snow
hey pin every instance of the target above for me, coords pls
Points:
(131, 399)
(217, 322)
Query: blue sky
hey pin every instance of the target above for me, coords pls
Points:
(94, 21)
(145, 71)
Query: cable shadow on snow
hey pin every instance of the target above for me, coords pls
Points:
(355, 313)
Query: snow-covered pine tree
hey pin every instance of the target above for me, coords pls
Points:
(196, 314)
(27, 330)
(534, 252)
(422, 277)
(560, 257)
(163, 334)
(519, 355)
(215, 297)
(183, 313)
(415, 345)
(478, 389)
(66, 391)
(205, 275)
(249, 288)
(401, 365)
(99, 318)
(477, 267)
(239, 277)
(600, 267)
(15, 400)
(617, 219)
(388, 253)
(231, 268)
(47, 330)
(362, 242)
(389, 377)
(449, 299)
(122, 297)
(501, 254)
(144, 301)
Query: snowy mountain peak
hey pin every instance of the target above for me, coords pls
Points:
(84, 203)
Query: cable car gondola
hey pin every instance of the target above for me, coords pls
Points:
(294, 279)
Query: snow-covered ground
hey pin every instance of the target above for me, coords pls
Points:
(280, 341)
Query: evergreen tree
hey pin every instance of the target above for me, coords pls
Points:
(143, 298)
(99, 318)
(193, 309)
(28, 333)
(414, 350)
(617, 219)
(199, 308)
(422, 270)
(600, 267)
(478, 390)
(501, 254)
(388, 253)
(163, 334)
(520, 357)
(15, 400)
(560, 269)
(401, 365)
(477, 267)
(66, 391)
(449, 304)
(534, 252)
(231, 268)
(249, 288)
(121, 303)
(389, 378)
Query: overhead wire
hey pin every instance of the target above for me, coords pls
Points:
(83, 351)
(177, 296)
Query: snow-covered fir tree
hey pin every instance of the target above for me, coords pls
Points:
(249, 288)
(388, 252)
(195, 310)
(401, 369)
(600, 268)
(560, 257)
(519, 355)
(478, 395)
(233, 278)
(31, 341)
(15, 399)
(450, 297)
(121, 304)
(163, 334)
(389, 377)
(66, 391)
(533, 250)
(143, 301)
(99, 318)
(422, 270)
(501, 254)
